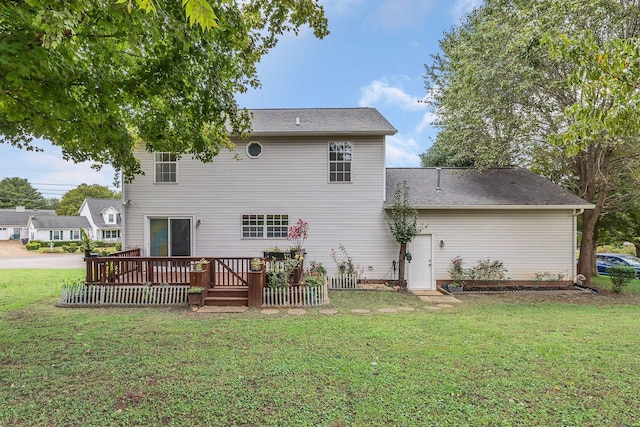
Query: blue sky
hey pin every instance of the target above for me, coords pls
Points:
(374, 57)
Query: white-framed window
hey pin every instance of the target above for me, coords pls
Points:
(340, 155)
(110, 218)
(166, 168)
(254, 150)
(265, 226)
(74, 235)
(55, 234)
(110, 234)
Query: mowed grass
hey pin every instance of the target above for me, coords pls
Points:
(492, 360)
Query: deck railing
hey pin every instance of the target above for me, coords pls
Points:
(136, 270)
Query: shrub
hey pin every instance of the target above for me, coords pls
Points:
(485, 269)
(620, 275)
(70, 248)
(98, 244)
(32, 246)
(118, 247)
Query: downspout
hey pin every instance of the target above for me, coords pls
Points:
(574, 268)
(122, 213)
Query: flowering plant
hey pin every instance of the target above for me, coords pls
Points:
(345, 265)
(298, 233)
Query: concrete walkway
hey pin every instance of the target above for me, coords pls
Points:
(435, 300)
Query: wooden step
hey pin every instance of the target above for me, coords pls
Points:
(227, 296)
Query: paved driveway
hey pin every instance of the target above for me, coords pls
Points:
(14, 255)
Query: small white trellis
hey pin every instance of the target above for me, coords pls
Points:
(99, 295)
(343, 281)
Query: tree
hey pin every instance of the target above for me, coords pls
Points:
(72, 200)
(19, 192)
(100, 81)
(403, 225)
(533, 83)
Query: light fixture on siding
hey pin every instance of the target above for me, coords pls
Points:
(198, 222)
(442, 243)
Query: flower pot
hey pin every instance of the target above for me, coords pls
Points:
(194, 299)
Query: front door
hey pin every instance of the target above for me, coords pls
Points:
(170, 236)
(420, 265)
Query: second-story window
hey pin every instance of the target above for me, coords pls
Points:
(110, 219)
(166, 167)
(340, 154)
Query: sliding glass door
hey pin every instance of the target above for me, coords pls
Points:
(170, 236)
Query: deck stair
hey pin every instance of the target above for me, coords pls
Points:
(227, 296)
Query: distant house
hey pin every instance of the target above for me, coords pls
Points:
(327, 166)
(55, 228)
(104, 219)
(14, 222)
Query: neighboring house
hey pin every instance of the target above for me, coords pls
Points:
(13, 222)
(327, 166)
(53, 227)
(104, 219)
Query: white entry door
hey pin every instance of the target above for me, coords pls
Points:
(420, 265)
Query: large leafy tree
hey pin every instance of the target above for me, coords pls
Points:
(99, 77)
(19, 192)
(72, 199)
(541, 84)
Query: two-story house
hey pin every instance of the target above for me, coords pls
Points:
(327, 167)
(104, 219)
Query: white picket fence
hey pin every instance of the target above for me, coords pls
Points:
(343, 281)
(296, 296)
(99, 295)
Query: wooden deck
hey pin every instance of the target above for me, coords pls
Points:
(135, 270)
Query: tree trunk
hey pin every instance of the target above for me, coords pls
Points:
(586, 263)
(401, 263)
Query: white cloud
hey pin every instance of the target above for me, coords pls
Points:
(402, 152)
(463, 7)
(426, 122)
(379, 92)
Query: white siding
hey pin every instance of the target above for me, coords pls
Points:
(528, 241)
(290, 177)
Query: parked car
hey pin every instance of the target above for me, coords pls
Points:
(606, 260)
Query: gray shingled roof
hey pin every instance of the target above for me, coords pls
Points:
(320, 121)
(468, 188)
(98, 206)
(10, 217)
(59, 222)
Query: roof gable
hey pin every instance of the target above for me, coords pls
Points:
(460, 188)
(319, 121)
(97, 207)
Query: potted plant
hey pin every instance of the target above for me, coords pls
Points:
(273, 253)
(195, 296)
(112, 271)
(199, 265)
(298, 233)
(256, 264)
(86, 244)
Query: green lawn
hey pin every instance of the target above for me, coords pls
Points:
(493, 360)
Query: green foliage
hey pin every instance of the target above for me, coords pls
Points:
(72, 200)
(70, 248)
(19, 192)
(32, 246)
(279, 272)
(550, 85)
(621, 276)
(86, 243)
(196, 290)
(100, 79)
(118, 246)
(484, 269)
(404, 218)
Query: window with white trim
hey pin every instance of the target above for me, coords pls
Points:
(254, 150)
(74, 235)
(340, 155)
(166, 168)
(110, 234)
(265, 226)
(110, 218)
(55, 234)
